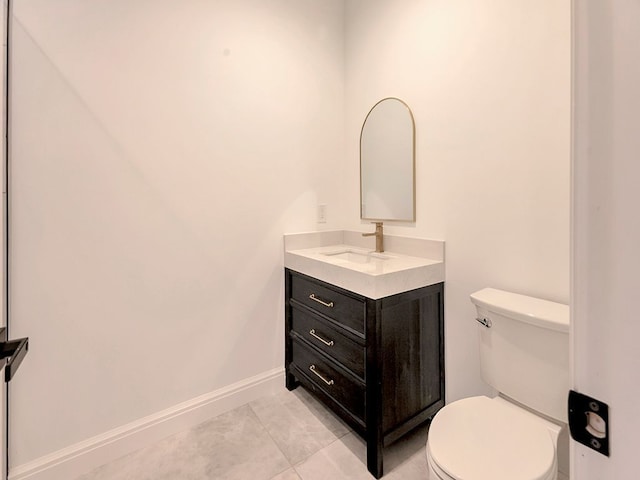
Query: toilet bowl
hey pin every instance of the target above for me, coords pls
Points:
(524, 356)
(481, 438)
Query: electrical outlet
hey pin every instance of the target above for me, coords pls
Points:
(322, 213)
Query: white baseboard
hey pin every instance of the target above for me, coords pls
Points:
(74, 460)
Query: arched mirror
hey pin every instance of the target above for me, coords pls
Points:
(387, 162)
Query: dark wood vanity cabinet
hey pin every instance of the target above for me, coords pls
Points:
(378, 364)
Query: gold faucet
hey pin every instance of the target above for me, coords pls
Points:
(379, 237)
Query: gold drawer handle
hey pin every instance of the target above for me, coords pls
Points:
(313, 369)
(313, 333)
(316, 299)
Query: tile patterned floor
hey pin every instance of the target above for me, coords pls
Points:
(287, 436)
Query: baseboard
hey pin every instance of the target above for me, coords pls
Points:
(75, 460)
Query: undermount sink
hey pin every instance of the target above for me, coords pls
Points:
(346, 259)
(356, 256)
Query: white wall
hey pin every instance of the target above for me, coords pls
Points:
(606, 228)
(489, 86)
(160, 149)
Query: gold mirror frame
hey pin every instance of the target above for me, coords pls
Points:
(386, 126)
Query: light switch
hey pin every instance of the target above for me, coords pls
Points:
(322, 213)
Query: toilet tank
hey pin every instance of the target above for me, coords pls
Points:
(524, 353)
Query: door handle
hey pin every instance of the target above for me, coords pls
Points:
(11, 353)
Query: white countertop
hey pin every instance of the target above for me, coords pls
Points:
(410, 263)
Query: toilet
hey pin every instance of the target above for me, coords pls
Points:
(524, 355)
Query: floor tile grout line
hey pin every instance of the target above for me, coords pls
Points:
(308, 456)
(273, 440)
(292, 465)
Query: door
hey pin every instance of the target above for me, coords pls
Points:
(3, 209)
(11, 352)
(606, 228)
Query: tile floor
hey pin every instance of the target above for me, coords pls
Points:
(286, 436)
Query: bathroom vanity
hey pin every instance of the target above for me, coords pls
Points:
(364, 331)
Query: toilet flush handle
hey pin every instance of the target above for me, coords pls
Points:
(484, 321)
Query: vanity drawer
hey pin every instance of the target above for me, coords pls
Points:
(323, 374)
(342, 308)
(329, 340)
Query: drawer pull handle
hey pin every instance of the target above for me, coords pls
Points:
(313, 333)
(316, 299)
(313, 369)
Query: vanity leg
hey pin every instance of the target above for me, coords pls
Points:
(291, 382)
(374, 455)
(373, 413)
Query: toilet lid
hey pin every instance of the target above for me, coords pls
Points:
(481, 439)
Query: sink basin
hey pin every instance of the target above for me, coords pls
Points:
(347, 260)
(356, 256)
